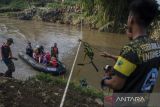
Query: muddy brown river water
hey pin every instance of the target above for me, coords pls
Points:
(67, 39)
(38, 33)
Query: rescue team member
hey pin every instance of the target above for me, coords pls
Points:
(54, 51)
(6, 55)
(136, 69)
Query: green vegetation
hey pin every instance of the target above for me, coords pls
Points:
(22, 4)
(18, 4)
(2, 5)
(54, 5)
(44, 77)
(112, 15)
(5, 1)
(90, 91)
(96, 14)
(102, 12)
(44, 91)
(66, 3)
(73, 86)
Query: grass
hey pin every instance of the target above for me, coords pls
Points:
(54, 5)
(2, 5)
(71, 2)
(44, 77)
(17, 4)
(66, 3)
(22, 4)
(73, 86)
(90, 91)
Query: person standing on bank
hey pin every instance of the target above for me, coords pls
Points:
(136, 68)
(6, 55)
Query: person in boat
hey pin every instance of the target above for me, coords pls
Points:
(54, 51)
(54, 62)
(36, 55)
(6, 56)
(29, 49)
(136, 68)
(41, 49)
(46, 58)
(41, 54)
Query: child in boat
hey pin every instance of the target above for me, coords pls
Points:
(36, 55)
(54, 62)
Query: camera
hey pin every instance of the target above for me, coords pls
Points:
(107, 68)
(108, 74)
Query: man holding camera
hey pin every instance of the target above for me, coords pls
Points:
(136, 68)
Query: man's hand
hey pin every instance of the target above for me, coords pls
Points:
(105, 54)
(115, 83)
(103, 85)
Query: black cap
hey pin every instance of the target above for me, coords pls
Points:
(10, 40)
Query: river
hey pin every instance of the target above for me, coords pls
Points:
(42, 33)
(67, 38)
(112, 43)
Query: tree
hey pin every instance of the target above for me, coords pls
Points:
(5, 1)
(108, 10)
(88, 6)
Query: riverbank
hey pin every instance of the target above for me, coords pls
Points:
(70, 12)
(59, 16)
(45, 91)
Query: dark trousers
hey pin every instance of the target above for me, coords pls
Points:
(10, 66)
